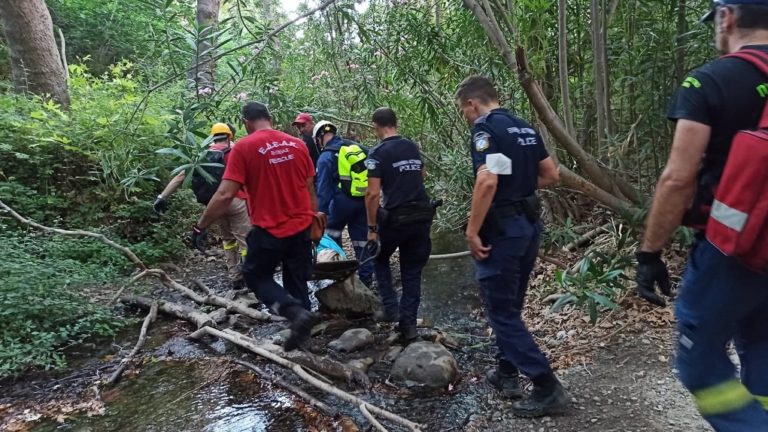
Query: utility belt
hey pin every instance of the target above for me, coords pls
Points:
(409, 213)
(492, 225)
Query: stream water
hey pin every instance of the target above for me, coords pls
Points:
(194, 396)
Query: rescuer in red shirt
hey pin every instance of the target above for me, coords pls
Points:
(277, 173)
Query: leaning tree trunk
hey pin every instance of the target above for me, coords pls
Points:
(203, 63)
(36, 65)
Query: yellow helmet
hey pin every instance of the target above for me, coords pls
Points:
(221, 129)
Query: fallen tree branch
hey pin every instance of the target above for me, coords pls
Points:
(122, 289)
(151, 316)
(375, 423)
(589, 235)
(176, 310)
(251, 345)
(325, 409)
(231, 305)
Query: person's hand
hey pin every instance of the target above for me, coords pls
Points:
(651, 270)
(161, 205)
(476, 247)
(197, 239)
(372, 236)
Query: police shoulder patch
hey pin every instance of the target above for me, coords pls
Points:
(371, 163)
(481, 141)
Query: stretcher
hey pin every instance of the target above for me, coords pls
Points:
(342, 269)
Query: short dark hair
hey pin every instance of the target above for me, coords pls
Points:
(256, 111)
(384, 117)
(477, 87)
(751, 17)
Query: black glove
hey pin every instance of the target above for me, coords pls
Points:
(161, 205)
(649, 271)
(198, 238)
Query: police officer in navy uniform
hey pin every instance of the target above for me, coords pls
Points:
(404, 220)
(510, 163)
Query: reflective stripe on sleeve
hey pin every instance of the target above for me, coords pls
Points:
(359, 243)
(763, 401)
(333, 233)
(730, 217)
(723, 398)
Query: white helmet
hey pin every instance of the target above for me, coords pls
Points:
(323, 127)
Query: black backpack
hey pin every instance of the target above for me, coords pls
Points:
(203, 188)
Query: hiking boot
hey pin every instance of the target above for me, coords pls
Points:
(301, 328)
(542, 402)
(386, 317)
(408, 332)
(508, 384)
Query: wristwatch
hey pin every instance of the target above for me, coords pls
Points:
(373, 228)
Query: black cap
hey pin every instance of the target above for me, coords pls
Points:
(255, 111)
(720, 3)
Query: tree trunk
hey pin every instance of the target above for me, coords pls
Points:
(682, 27)
(603, 179)
(595, 14)
(35, 61)
(562, 50)
(204, 65)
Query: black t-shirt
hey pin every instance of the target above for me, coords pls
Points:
(314, 153)
(727, 94)
(510, 148)
(397, 162)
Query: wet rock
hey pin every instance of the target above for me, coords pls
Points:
(363, 364)
(348, 297)
(427, 364)
(392, 354)
(352, 340)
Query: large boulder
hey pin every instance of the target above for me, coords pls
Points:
(352, 340)
(348, 297)
(425, 364)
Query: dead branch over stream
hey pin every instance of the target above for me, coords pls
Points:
(151, 316)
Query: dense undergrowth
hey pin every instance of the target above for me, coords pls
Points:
(74, 170)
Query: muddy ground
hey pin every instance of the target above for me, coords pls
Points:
(618, 372)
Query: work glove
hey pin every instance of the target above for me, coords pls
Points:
(651, 270)
(161, 205)
(198, 238)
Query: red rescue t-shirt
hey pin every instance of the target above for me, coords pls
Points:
(219, 147)
(274, 168)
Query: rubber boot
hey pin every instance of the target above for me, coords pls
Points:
(302, 322)
(408, 333)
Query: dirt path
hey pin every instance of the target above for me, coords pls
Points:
(628, 387)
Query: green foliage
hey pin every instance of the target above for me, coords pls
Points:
(43, 303)
(599, 277)
(597, 283)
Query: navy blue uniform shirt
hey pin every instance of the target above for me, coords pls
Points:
(510, 148)
(727, 94)
(397, 162)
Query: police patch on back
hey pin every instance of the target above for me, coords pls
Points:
(371, 164)
(481, 141)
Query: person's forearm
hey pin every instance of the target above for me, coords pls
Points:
(173, 186)
(216, 209)
(482, 196)
(372, 207)
(669, 205)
